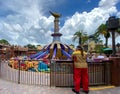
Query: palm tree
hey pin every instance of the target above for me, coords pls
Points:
(95, 38)
(81, 37)
(102, 30)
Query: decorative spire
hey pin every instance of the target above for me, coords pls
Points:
(56, 15)
(56, 35)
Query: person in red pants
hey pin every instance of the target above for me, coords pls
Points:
(80, 75)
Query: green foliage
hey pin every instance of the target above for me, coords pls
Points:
(3, 41)
(99, 48)
(81, 37)
(95, 38)
(102, 30)
(118, 31)
(71, 45)
(30, 46)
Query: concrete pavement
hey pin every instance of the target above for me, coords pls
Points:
(7, 87)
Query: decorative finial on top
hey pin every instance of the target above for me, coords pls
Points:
(56, 15)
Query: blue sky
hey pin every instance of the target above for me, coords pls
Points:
(29, 21)
(70, 7)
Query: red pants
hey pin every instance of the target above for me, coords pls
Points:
(81, 76)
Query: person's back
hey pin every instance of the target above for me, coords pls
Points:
(80, 70)
(79, 60)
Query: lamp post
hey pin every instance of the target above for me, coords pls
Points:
(112, 25)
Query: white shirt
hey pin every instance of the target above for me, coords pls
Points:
(100, 57)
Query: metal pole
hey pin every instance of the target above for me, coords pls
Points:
(0, 64)
(113, 43)
(19, 72)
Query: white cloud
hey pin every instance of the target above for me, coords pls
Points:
(25, 21)
(108, 3)
(88, 21)
(26, 24)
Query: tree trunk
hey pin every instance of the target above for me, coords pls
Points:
(106, 42)
(79, 40)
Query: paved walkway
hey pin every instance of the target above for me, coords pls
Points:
(7, 87)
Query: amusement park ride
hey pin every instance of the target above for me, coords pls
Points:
(61, 72)
(55, 49)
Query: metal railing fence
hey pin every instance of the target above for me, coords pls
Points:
(60, 74)
(31, 77)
